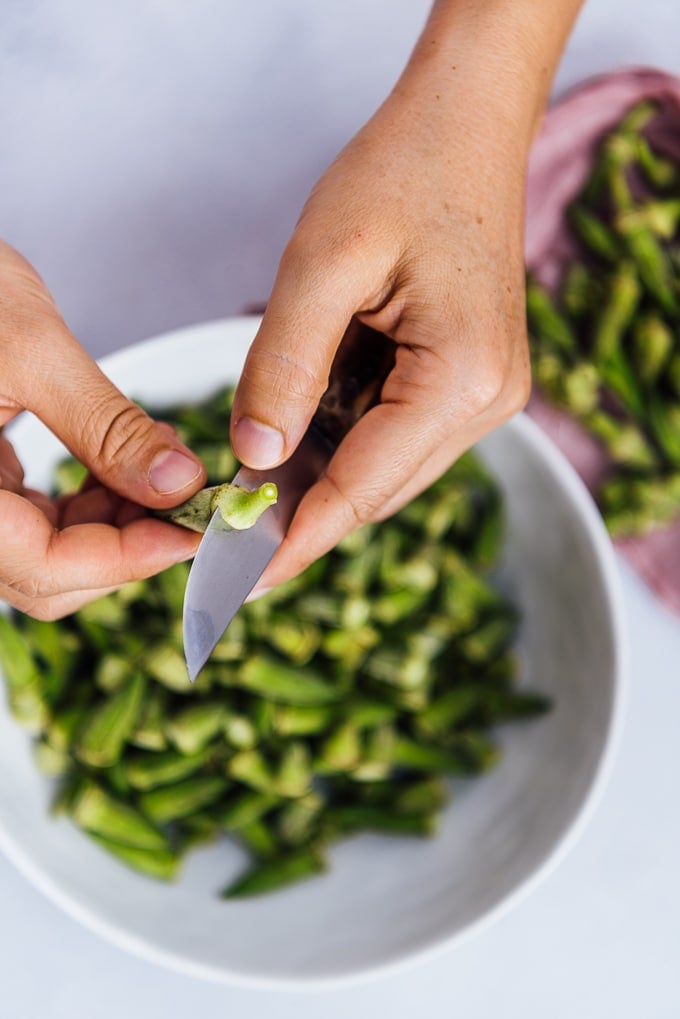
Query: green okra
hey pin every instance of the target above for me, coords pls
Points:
(423, 796)
(580, 388)
(165, 663)
(259, 838)
(244, 807)
(110, 613)
(348, 820)
(638, 505)
(618, 311)
(450, 709)
(350, 647)
(625, 443)
(672, 375)
(311, 701)
(414, 756)
(491, 638)
(181, 799)
(280, 872)
(618, 375)
(199, 829)
(652, 343)
(505, 705)
(149, 732)
(660, 217)
(394, 606)
(239, 507)
(63, 724)
(284, 683)
(148, 771)
(545, 320)
(302, 719)
(340, 750)
(193, 727)
(102, 814)
(112, 672)
(638, 117)
(400, 669)
(239, 730)
(162, 864)
(252, 769)
(50, 761)
(594, 234)
(664, 424)
(579, 291)
(653, 264)
(297, 821)
(294, 773)
(18, 663)
(377, 754)
(69, 475)
(297, 639)
(367, 713)
(104, 731)
(55, 651)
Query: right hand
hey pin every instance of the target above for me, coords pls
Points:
(56, 555)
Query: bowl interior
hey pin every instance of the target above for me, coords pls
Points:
(384, 899)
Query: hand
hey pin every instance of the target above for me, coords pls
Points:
(57, 555)
(416, 230)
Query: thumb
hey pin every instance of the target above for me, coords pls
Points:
(287, 368)
(120, 445)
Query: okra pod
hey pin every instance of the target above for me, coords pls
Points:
(110, 724)
(100, 813)
(240, 508)
(272, 875)
(181, 799)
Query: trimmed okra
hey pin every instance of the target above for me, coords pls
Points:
(332, 706)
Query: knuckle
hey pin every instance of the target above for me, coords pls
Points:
(117, 432)
(29, 588)
(363, 506)
(282, 377)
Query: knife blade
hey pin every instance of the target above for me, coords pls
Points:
(229, 562)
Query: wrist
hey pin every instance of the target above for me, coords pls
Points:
(490, 60)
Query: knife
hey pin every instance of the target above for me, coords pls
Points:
(229, 562)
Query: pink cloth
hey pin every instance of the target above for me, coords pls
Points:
(558, 167)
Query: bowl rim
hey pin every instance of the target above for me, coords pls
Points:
(554, 461)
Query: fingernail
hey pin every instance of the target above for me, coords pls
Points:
(256, 444)
(171, 471)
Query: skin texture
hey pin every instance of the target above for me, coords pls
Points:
(416, 229)
(57, 555)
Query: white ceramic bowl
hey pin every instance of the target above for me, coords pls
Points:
(385, 901)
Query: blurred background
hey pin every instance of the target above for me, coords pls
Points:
(155, 154)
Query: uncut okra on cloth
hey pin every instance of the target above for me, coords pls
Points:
(607, 385)
(342, 702)
(606, 346)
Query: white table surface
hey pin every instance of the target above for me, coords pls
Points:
(600, 937)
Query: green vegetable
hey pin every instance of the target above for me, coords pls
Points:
(239, 507)
(339, 703)
(284, 870)
(105, 730)
(606, 345)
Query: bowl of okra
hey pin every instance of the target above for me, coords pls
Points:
(380, 755)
